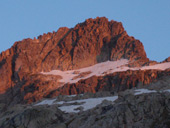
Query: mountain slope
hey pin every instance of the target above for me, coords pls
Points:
(88, 43)
(143, 108)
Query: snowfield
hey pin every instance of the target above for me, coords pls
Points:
(86, 104)
(142, 91)
(48, 101)
(101, 69)
(168, 90)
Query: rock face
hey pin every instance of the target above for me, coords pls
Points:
(88, 43)
(148, 110)
(167, 59)
(115, 82)
(144, 111)
(33, 117)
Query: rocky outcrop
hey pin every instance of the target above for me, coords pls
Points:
(167, 59)
(144, 111)
(38, 86)
(148, 110)
(33, 117)
(25, 58)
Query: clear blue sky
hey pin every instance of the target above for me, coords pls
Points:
(146, 20)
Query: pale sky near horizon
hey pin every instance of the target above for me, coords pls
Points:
(148, 21)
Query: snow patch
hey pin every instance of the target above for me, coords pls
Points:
(141, 91)
(168, 90)
(162, 66)
(101, 69)
(74, 95)
(48, 102)
(87, 104)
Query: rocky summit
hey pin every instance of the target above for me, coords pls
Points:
(95, 59)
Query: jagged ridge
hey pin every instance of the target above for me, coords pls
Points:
(88, 43)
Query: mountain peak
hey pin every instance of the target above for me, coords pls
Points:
(88, 43)
(101, 25)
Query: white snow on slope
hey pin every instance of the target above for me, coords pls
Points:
(49, 102)
(96, 70)
(168, 90)
(141, 91)
(85, 103)
(162, 66)
(101, 69)
(91, 102)
(88, 104)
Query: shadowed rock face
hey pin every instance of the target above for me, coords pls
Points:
(144, 111)
(147, 110)
(32, 117)
(88, 43)
(167, 59)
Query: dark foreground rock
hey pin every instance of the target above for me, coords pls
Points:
(32, 117)
(144, 111)
(150, 110)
